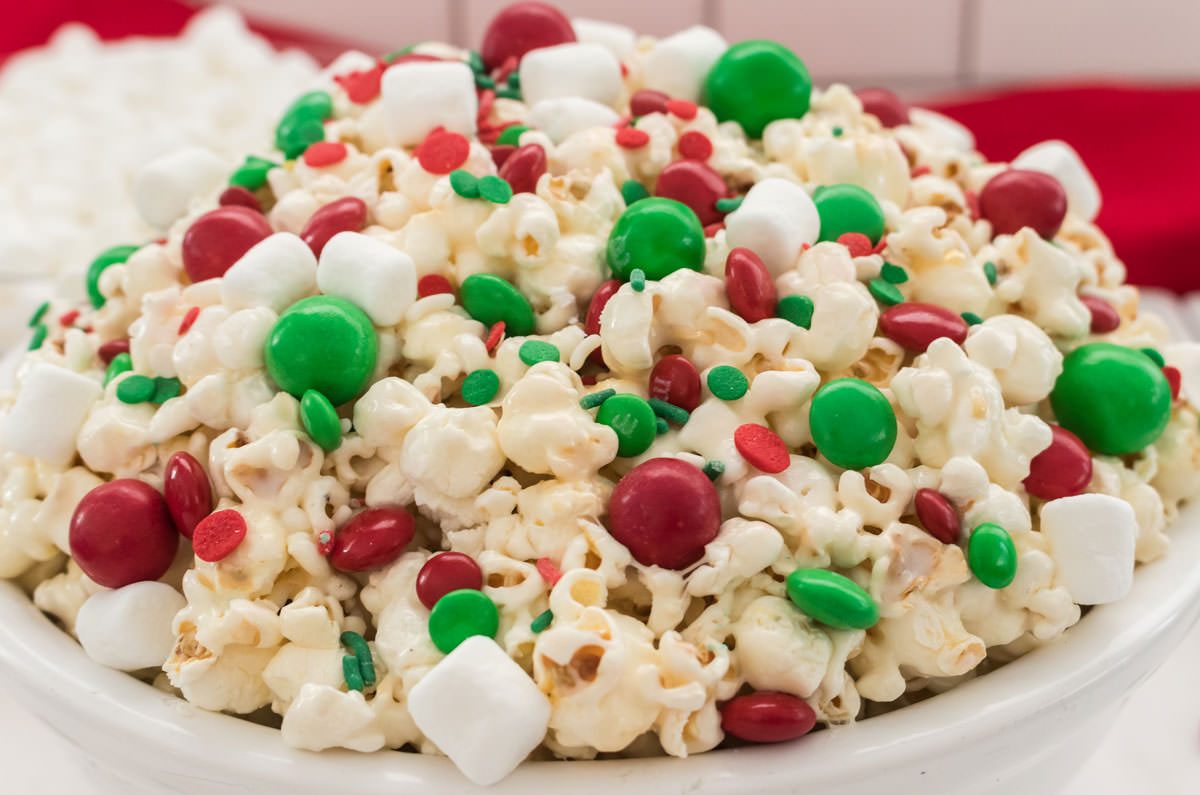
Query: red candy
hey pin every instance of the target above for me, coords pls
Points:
(665, 511)
(858, 243)
(495, 334)
(188, 320)
(1174, 380)
(501, 153)
(187, 492)
(591, 324)
(218, 535)
(524, 168)
(695, 184)
(67, 318)
(884, 105)
(632, 138)
(237, 196)
(937, 515)
(348, 214)
(219, 238)
(433, 284)
(1015, 199)
(441, 152)
(324, 153)
(121, 533)
(1063, 469)
(695, 146)
(767, 717)
(372, 539)
(676, 380)
(549, 571)
(682, 108)
(1104, 315)
(749, 285)
(522, 27)
(109, 350)
(648, 101)
(363, 86)
(913, 325)
(446, 572)
(762, 447)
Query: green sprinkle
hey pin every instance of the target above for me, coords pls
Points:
(1155, 356)
(121, 363)
(989, 270)
(637, 280)
(480, 386)
(508, 93)
(135, 389)
(362, 653)
(728, 205)
(464, 183)
(542, 622)
(39, 336)
(893, 274)
(475, 61)
(165, 389)
(39, 313)
(320, 420)
(972, 318)
(632, 191)
(596, 398)
(713, 469)
(885, 293)
(837, 131)
(485, 82)
(495, 189)
(534, 351)
(514, 80)
(660, 426)
(405, 50)
(107, 258)
(252, 173)
(351, 673)
(511, 136)
(796, 308)
(727, 383)
(669, 411)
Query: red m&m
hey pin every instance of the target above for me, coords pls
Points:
(767, 717)
(121, 533)
(187, 492)
(522, 27)
(937, 515)
(372, 539)
(695, 184)
(677, 381)
(446, 572)
(524, 167)
(913, 325)
(219, 238)
(665, 511)
(1015, 199)
(1063, 469)
(347, 214)
(883, 105)
(749, 286)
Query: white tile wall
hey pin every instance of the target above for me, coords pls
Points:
(375, 25)
(655, 17)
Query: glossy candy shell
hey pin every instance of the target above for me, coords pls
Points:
(665, 511)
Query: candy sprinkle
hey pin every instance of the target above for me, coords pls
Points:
(511, 136)
(38, 314)
(188, 320)
(632, 138)
(596, 398)
(548, 571)
(796, 308)
(464, 183)
(729, 204)
(761, 447)
(713, 469)
(362, 654)
(885, 292)
(1155, 356)
(252, 173)
(39, 336)
(495, 334)
(68, 317)
(320, 420)
(352, 673)
(1174, 380)
(989, 270)
(495, 190)
(972, 318)
(893, 274)
(682, 108)
(534, 351)
(637, 280)
(433, 284)
(165, 389)
(460, 615)
(324, 153)
(121, 363)
(727, 383)
(660, 426)
(669, 411)
(480, 386)
(135, 389)
(218, 535)
(695, 145)
(542, 622)
(632, 191)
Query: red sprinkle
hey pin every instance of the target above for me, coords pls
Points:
(67, 318)
(937, 516)
(919, 171)
(682, 108)
(972, 204)
(762, 447)
(1104, 315)
(549, 571)
(648, 101)
(487, 100)
(325, 543)
(433, 284)
(363, 86)
(500, 73)
(695, 145)
(218, 535)
(632, 138)
(188, 320)
(324, 153)
(878, 248)
(495, 334)
(237, 196)
(858, 243)
(623, 121)
(109, 350)
(441, 152)
(1175, 379)
(446, 572)
(749, 286)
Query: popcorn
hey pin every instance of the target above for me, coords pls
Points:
(418, 97)
(588, 71)
(1092, 542)
(49, 412)
(378, 278)
(129, 628)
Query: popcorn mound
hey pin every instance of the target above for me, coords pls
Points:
(591, 394)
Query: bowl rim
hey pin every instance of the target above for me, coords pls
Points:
(54, 672)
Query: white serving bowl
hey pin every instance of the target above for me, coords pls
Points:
(1025, 728)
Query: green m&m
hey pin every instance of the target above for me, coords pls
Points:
(657, 235)
(757, 82)
(634, 421)
(302, 123)
(107, 258)
(460, 615)
(992, 556)
(832, 599)
(490, 300)
(1115, 399)
(852, 423)
(322, 343)
(848, 208)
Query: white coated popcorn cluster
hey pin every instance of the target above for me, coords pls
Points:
(573, 504)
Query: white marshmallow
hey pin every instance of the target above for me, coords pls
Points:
(589, 71)
(49, 411)
(378, 278)
(276, 272)
(130, 628)
(774, 221)
(678, 64)
(481, 709)
(945, 129)
(619, 39)
(165, 187)
(1092, 542)
(1060, 161)
(422, 95)
(563, 117)
(1185, 356)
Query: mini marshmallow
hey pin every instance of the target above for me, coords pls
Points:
(562, 118)
(589, 71)
(945, 129)
(774, 221)
(130, 628)
(423, 95)
(1092, 542)
(276, 272)
(48, 413)
(619, 39)
(1185, 357)
(678, 64)
(481, 709)
(378, 278)
(1060, 161)
(164, 188)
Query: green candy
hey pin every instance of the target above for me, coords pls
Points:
(296, 133)
(494, 189)
(534, 351)
(713, 469)
(511, 135)
(480, 386)
(885, 292)
(121, 363)
(797, 309)
(39, 336)
(757, 82)
(657, 235)
(320, 420)
(989, 271)
(729, 204)
(852, 423)
(318, 104)
(637, 280)
(490, 300)
(460, 615)
(848, 208)
(633, 420)
(727, 383)
(322, 343)
(135, 389)
(1155, 356)
(1115, 399)
(633, 191)
(112, 256)
(165, 389)
(992, 556)
(36, 318)
(352, 673)
(542, 622)
(831, 598)
(893, 274)
(972, 318)
(252, 173)
(596, 398)
(669, 411)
